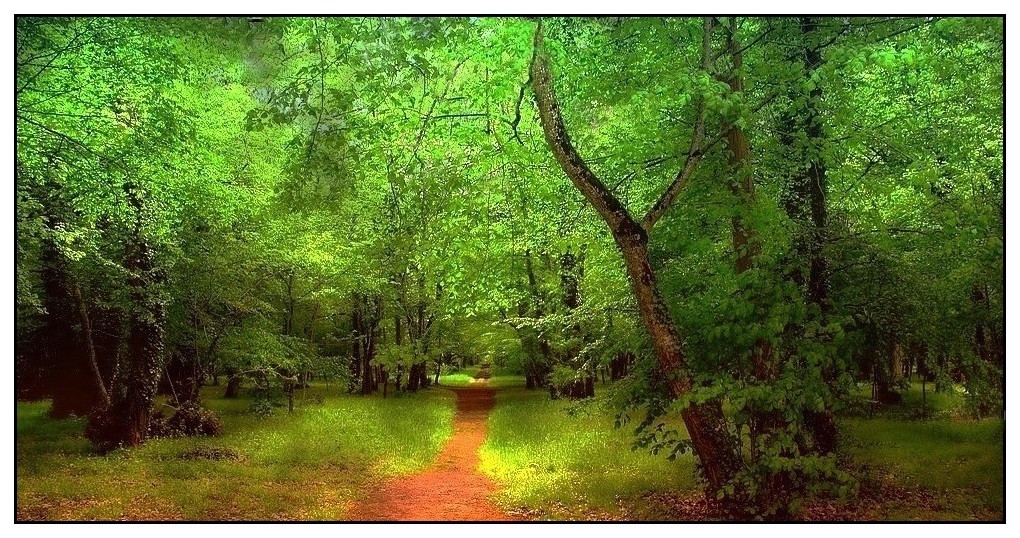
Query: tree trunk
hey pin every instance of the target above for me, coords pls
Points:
(745, 243)
(713, 443)
(365, 316)
(413, 378)
(822, 423)
(127, 420)
(368, 384)
(145, 345)
(619, 366)
(86, 328)
(62, 343)
(805, 204)
(233, 386)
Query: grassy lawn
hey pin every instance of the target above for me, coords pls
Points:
(552, 464)
(308, 465)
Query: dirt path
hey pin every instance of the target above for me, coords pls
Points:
(452, 488)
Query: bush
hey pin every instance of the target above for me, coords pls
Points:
(263, 408)
(190, 419)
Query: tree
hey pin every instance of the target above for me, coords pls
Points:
(713, 443)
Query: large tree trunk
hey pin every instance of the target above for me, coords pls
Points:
(714, 444)
(764, 423)
(822, 423)
(233, 389)
(413, 378)
(127, 420)
(145, 348)
(745, 243)
(423, 373)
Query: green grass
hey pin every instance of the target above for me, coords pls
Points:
(551, 459)
(556, 465)
(466, 378)
(958, 461)
(916, 398)
(307, 465)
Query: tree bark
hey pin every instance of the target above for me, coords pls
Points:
(126, 421)
(233, 389)
(366, 314)
(764, 423)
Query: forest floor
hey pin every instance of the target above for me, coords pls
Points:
(477, 451)
(452, 488)
(563, 460)
(313, 464)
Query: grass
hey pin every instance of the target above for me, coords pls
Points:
(551, 459)
(552, 464)
(916, 399)
(960, 462)
(466, 378)
(949, 454)
(308, 465)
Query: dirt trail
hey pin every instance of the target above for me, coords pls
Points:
(452, 488)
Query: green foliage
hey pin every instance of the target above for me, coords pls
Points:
(286, 174)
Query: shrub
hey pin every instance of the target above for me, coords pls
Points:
(263, 408)
(190, 419)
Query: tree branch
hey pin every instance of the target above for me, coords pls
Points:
(597, 194)
(517, 109)
(694, 153)
(471, 115)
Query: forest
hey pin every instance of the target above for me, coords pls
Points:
(510, 268)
